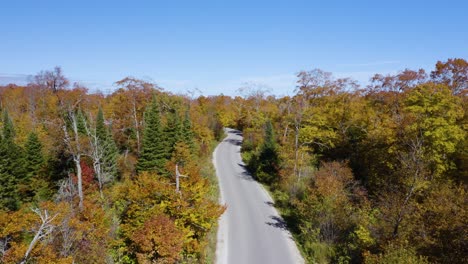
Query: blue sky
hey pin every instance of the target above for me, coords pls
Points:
(217, 46)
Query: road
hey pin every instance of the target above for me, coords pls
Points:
(250, 231)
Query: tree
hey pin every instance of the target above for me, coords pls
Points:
(454, 74)
(434, 113)
(158, 241)
(103, 152)
(34, 161)
(172, 132)
(267, 162)
(153, 155)
(136, 93)
(53, 80)
(75, 148)
(11, 166)
(34, 157)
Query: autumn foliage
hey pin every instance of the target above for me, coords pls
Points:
(72, 190)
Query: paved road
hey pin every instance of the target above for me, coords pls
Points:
(250, 231)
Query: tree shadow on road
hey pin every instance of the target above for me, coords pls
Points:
(235, 132)
(245, 175)
(277, 222)
(235, 142)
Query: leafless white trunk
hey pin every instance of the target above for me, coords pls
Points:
(45, 229)
(178, 175)
(137, 127)
(75, 150)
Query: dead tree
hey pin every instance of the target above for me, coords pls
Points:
(44, 230)
(178, 175)
(74, 147)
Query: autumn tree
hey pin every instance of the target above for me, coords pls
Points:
(453, 73)
(53, 80)
(136, 93)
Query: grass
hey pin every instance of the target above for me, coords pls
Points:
(209, 172)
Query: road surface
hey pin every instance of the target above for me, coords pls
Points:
(250, 231)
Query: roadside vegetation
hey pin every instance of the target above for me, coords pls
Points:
(372, 174)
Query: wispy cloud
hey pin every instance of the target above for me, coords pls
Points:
(280, 84)
(373, 63)
(19, 79)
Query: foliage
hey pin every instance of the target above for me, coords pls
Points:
(372, 174)
(369, 175)
(153, 155)
(68, 145)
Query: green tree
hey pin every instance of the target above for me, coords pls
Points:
(101, 130)
(11, 170)
(153, 153)
(34, 160)
(105, 152)
(33, 155)
(187, 133)
(172, 132)
(434, 112)
(268, 160)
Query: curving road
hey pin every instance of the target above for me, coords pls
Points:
(250, 231)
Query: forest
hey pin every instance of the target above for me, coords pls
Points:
(361, 174)
(121, 178)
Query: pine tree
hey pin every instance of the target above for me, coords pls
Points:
(153, 154)
(33, 155)
(8, 128)
(11, 170)
(8, 190)
(268, 160)
(101, 130)
(172, 132)
(187, 133)
(34, 160)
(81, 122)
(108, 151)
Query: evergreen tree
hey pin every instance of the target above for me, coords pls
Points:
(268, 160)
(153, 154)
(107, 148)
(101, 130)
(187, 133)
(81, 122)
(172, 132)
(33, 155)
(8, 190)
(11, 170)
(8, 128)
(34, 160)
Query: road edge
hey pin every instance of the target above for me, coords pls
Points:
(222, 234)
(292, 244)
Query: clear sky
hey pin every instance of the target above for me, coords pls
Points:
(217, 46)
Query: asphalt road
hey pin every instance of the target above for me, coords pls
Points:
(250, 231)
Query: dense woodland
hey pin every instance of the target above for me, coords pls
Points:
(374, 174)
(88, 178)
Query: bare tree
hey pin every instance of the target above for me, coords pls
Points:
(178, 175)
(102, 170)
(43, 231)
(53, 80)
(75, 149)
